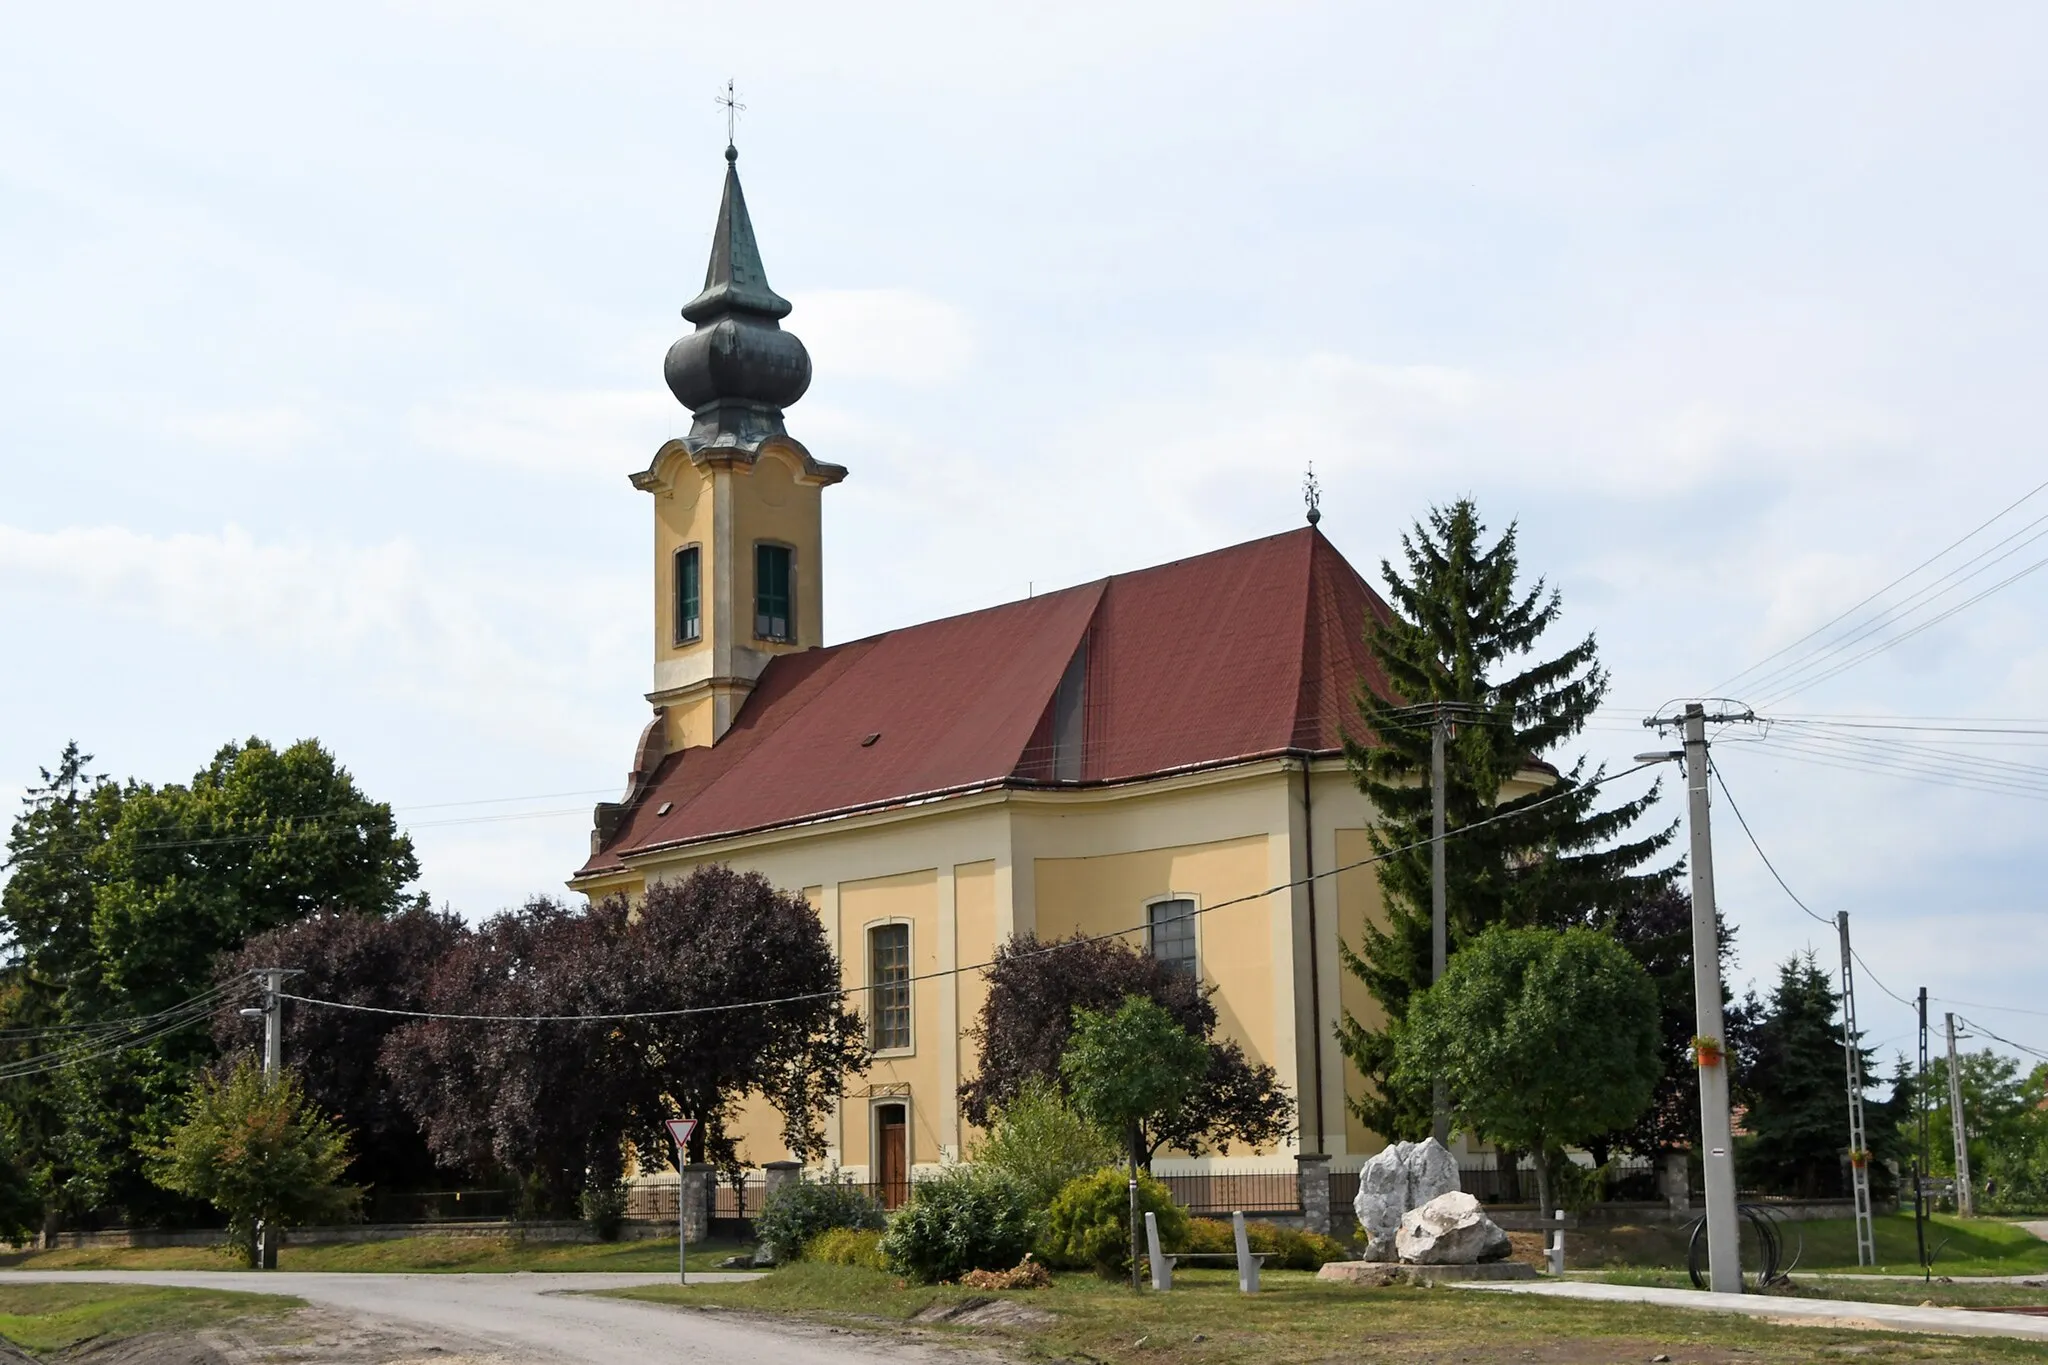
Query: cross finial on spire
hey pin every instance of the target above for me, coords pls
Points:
(729, 98)
(1312, 494)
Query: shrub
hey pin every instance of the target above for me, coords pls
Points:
(1290, 1248)
(847, 1246)
(964, 1219)
(604, 1208)
(795, 1214)
(1039, 1140)
(1090, 1222)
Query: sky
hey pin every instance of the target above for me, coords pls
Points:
(330, 337)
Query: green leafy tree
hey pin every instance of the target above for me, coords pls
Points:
(1042, 1143)
(121, 901)
(1465, 633)
(2002, 1116)
(255, 1150)
(1090, 1221)
(1546, 1038)
(1131, 1067)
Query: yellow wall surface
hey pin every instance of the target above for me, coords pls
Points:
(768, 504)
(974, 901)
(1358, 903)
(1234, 945)
(907, 898)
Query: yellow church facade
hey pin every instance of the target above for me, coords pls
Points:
(1156, 755)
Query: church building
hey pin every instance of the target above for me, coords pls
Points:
(1158, 752)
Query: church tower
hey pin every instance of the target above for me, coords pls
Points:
(737, 536)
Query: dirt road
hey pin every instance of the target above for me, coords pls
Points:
(524, 1318)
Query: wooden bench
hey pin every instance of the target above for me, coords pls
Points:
(1248, 1262)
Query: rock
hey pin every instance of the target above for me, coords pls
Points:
(1373, 1274)
(1397, 1179)
(1450, 1229)
(764, 1256)
(740, 1262)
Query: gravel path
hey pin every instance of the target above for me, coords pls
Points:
(1883, 1317)
(528, 1317)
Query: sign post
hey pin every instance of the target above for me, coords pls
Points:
(680, 1130)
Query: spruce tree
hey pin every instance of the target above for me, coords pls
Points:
(1797, 1110)
(1465, 634)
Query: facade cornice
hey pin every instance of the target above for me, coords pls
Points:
(659, 476)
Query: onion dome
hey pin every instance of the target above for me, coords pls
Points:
(739, 369)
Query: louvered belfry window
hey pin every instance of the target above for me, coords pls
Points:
(689, 594)
(889, 975)
(774, 607)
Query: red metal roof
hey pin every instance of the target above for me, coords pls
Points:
(1247, 651)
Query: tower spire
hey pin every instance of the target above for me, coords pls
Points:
(739, 369)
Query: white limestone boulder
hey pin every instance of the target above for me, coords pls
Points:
(1395, 1180)
(1450, 1229)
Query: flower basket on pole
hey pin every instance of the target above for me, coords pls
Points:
(1706, 1051)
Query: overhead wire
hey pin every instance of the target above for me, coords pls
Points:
(1835, 620)
(943, 972)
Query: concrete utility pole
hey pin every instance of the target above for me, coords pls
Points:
(1717, 1151)
(1966, 1198)
(1717, 1142)
(1852, 1060)
(1439, 925)
(272, 1015)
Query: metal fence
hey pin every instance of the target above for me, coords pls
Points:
(1627, 1180)
(1255, 1192)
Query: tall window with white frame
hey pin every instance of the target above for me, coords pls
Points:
(1170, 934)
(689, 587)
(774, 593)
(889, 982)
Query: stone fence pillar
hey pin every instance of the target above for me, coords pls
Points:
(1312, 1179)
(781, 1175)
(1673, 1182)
(696, 1192)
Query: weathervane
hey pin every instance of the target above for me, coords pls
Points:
(1312, 494)
(733, 109)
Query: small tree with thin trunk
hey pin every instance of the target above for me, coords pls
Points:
(1127, 1068)
(257, 1151)
(1548, 1039)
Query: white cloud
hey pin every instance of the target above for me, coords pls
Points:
(263, 432)
(512, 648)
(576, 433)
(898, 335)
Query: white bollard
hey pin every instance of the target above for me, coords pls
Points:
(1554, 1254)
(1162, 1267)
(1247, 1266)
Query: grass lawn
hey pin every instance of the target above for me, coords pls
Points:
(1863, 1289)
(413, 1254)
(55, 1317)
(1299, 1318)
(1961, 1246)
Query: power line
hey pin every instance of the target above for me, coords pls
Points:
(943, 972)
(1715, 769)
(1998, 1009)
(2020, 1047)
(1831, 622)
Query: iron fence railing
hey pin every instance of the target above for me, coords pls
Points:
(441, 1206)
(1233, 1192)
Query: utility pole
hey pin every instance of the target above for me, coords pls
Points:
(1859, 1151)
(1920, 1156)
(1439, 925)
(1966, 1198)
(272, 1015)
(1717, 1141)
